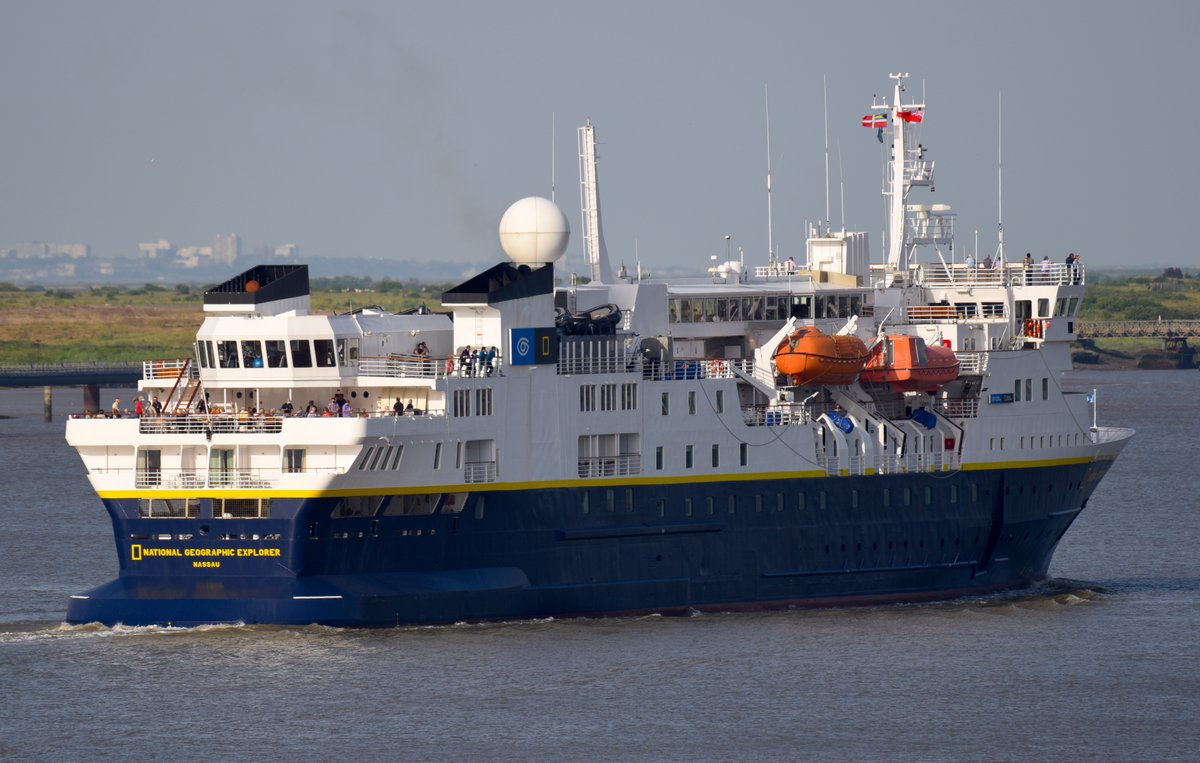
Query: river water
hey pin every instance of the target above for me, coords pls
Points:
(1101, 663)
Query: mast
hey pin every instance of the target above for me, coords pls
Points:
(1000, 175)
(899, 188)
(589, 192)
(770, 224)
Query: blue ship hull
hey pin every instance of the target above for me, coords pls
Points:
(597, 551)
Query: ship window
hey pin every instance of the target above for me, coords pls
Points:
(722, 309)
(454, 503)
(149, 468)
(744, 453)
(800, 501)
(692, 403)
(610, 501)
(409, 505)
(242, 508)
(907, 496)
(697, 311)
(301, 353)
(720, 401)
(658, 457)
(709, 505)
(666, 403)
(360, 506)
(293, 460)
(824, 499)
(716, 455)
(1044, 308)
(887, 496)
(201, 355)
(1045, 388)
(1072, 305)
(483, 402)
(324, 352)
(732, 501)
(661, 505)
(1060, 306)
(954, 494)
(276, 354)
(687, 507)
(928, 495)
(974, 493)
(673, 311)
(685, 311)
(735, 309)
(629, 397)
(1017, 391)
(252, 354)
(1029, 389)
(437, 455)
(758, 503)
(462, 402)
(854, 499)
(585, 503)
(710, 310)
(479, 505)
(227, 353)
(628, 499)
(168, 508)
(687, 457)
(458, 455)
(801, 308)
(780, 502)
(347, 352)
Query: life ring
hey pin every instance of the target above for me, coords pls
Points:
(714, 369)
(449, 366)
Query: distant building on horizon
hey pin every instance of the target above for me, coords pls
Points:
(154, 250)
(226, 248)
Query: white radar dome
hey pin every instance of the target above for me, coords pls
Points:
(534, 231)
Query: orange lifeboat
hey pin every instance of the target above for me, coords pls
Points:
(810, 356)
(906, 364)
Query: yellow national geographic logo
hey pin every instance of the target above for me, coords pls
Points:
(135, 552)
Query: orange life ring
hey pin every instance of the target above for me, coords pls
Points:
(449, 366)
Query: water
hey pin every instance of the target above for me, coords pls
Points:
(1101, 663)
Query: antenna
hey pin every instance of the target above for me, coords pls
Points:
(825, 104)
(770, 224)
(841, 186)
(1000, 174)
(552, 136)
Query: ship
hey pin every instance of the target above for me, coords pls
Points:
(554, 445)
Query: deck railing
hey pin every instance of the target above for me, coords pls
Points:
(609, 466)
(479, 471)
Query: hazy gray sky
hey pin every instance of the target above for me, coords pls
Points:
(404, 129)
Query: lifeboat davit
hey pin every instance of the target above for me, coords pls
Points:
(810, 356)
(907, 364)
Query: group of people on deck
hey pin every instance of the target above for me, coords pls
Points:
(477, 361)
(1045, 268)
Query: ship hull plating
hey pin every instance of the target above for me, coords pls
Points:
(597, 550)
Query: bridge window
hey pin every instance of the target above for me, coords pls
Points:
(227, 353)
(301, 353)
(324, 352)
(1043, 308)
(252, 354)
(1073, 305)
(276, 354)
(293, 460)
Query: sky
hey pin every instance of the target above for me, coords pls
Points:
(403, 130)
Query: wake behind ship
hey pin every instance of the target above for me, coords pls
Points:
(833, 433)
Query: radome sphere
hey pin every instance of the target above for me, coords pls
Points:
(534, 231)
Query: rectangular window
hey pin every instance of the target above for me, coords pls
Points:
(585, 502)
(1017, 391)
(628, 499)
(658, 457)
(293, 460)
(608, 397)
(1045, 388)
(610, 501)
(323, 348)
(227, 354)
(1029, 389)
(800, 501)
(716, 455)
(709, 505)
(758, 503)
(461, 402)
(954, 494)
(458, 455)
(744, 453)
(720, 401)
(854, 499)
(661, 506)
(692, 403)
(780, 503)
(479, 507)
(687, 507)
(687, 457)
(301, 353)
(437, 455)
(629, 396)
(666, 403)
(732, 504)
(824, 499)
(887, 497)
(252, 354)
(276, 354)
(1043, 308)
(907, 496)
(587, 398)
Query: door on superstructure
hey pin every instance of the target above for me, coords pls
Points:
(149, 467)
(220, 467)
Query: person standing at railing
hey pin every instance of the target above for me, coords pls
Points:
(286, 408)
(1046, 268)
(157, 406)
(139, 410)
(398, 408)
(1027, 264)
(116, 408)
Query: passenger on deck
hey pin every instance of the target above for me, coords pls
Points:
(116, 408)
(398, 408)
(286, 408)
(409, 410)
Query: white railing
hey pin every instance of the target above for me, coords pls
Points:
(405, 366)
(972, 362)
(1011, 274)
(479, 471)
(608, 466)
(957, 407)
(168, 369)
(197, 479)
